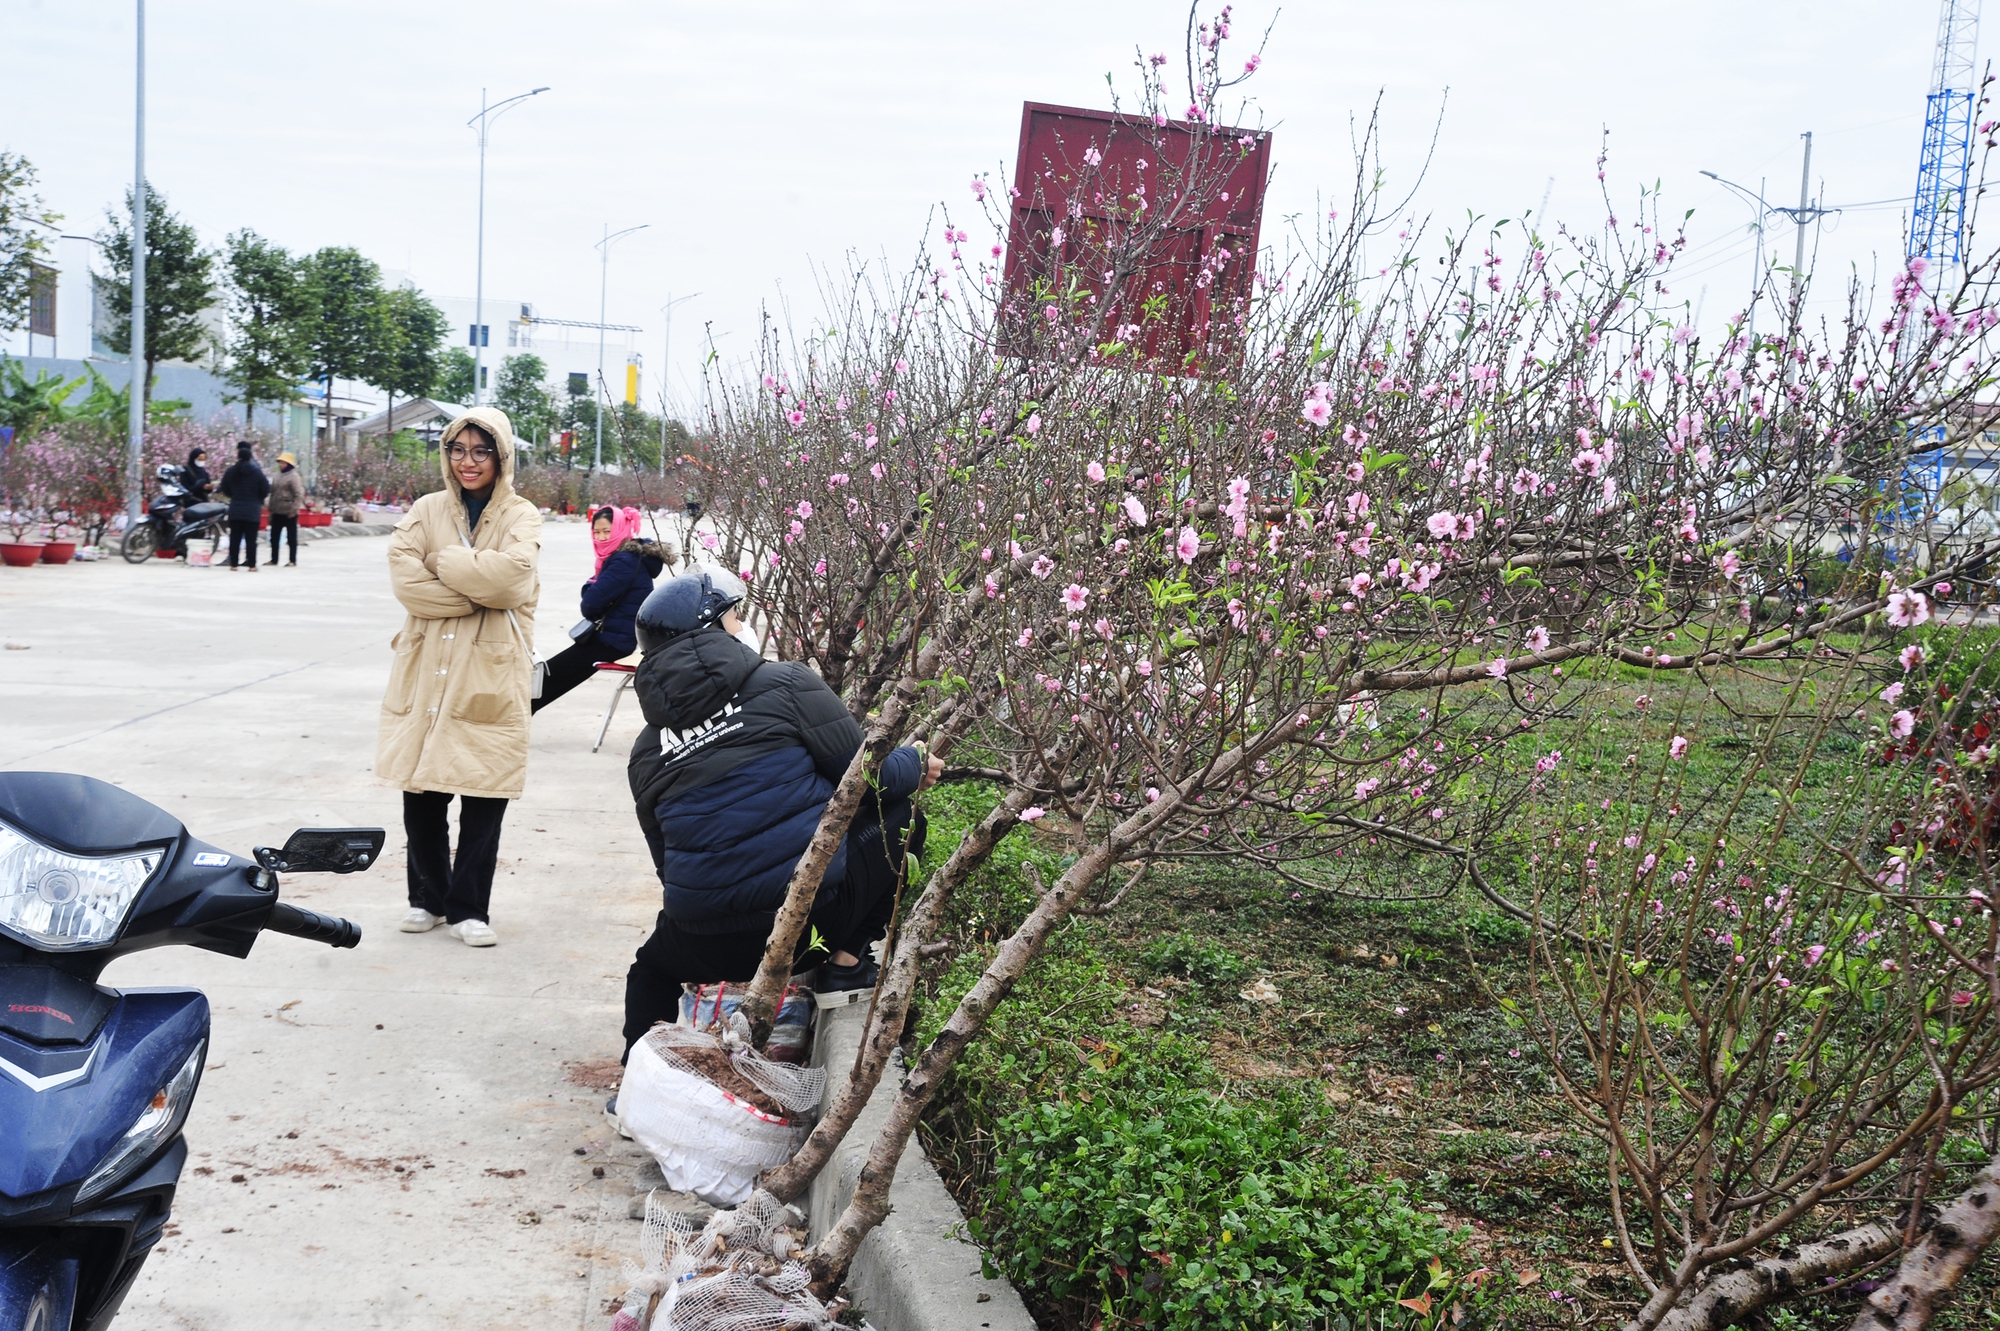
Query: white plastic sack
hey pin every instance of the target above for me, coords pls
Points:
(708, 1142)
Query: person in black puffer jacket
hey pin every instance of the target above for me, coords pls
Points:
(610, 602)
(195, 478)
(729, 778)
(245, 486)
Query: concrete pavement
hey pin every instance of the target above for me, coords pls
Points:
(385, 1137)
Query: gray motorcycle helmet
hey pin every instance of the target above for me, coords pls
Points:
(684, 603)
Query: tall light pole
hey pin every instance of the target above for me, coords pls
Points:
(1756, 259)
(135, 484)
(666, 349)
(603, 248)
(487, 115)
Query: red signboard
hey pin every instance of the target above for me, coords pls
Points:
(1089, 186)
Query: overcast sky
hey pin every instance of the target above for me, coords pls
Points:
(760, 139)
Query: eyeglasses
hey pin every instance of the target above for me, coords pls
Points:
(459, 452)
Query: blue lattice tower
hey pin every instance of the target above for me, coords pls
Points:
(1937, 223)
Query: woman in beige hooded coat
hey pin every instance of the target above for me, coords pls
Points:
(455, 714)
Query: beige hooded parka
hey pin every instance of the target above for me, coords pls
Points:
(455, 714)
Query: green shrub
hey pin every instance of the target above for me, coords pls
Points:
(1201, 959)
(1168, 1206)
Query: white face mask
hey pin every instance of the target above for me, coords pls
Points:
(748, 637)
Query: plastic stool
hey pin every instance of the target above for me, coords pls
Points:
(616, 668)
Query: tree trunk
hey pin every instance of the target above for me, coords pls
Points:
(790, 1180)
(774, 972)
(1933, 1268)
(1727, 1299)
(828, 1259)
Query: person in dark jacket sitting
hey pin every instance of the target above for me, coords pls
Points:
(627, 563)
(737, 761)
(244, 485)
(195, 478)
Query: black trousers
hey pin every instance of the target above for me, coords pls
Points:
(570, 667)
(288, 525)
(243, 535)
(456, 889)
(849, 918)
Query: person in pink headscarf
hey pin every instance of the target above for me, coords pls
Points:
(627, 563)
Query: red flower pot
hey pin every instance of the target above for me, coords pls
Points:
(58, 552)
(19, 554)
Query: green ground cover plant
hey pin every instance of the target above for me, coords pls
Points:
(1392, 1046)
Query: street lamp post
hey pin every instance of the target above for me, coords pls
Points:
(136, 423)
(487, 115)
(666, 349)
(603, 248)
(1756, 259)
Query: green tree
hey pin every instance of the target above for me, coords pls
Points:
(409, 348)
(22, 242)
(267, 311)
(180, 285)
(523, 393)
(455, 377)
(343, 326)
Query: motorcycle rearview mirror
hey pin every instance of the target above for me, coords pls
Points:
(325, 850)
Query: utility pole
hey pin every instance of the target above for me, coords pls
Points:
(135, 484)
(1807, 211)
(603, 282)
(1799, 259)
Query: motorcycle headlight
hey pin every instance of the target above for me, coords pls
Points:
(154, 1128)
(59, 902)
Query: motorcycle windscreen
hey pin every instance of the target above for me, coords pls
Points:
(67, 1106)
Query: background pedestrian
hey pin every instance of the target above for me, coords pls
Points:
(245, 486)
(288, 491)
(455, 714)
(627, 563)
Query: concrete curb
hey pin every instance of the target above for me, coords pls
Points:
(916, 1271)
(346, 529)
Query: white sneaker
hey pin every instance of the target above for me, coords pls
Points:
(474, 933)
(419, 921)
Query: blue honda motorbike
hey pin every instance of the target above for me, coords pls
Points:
(95, 1083)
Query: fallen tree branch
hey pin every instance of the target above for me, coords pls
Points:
(1729, 1298)
(1932, 1269)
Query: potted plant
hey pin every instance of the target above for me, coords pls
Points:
(20, 506)
(60, 547)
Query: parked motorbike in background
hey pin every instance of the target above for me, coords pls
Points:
(96, 1084)
(173, 524)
